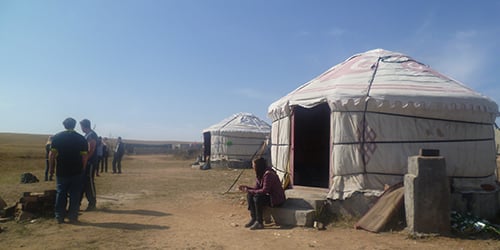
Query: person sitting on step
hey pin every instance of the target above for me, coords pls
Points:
(266, 192)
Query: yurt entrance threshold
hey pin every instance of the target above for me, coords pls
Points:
(310, 146)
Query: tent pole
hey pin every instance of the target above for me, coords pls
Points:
(261, 149)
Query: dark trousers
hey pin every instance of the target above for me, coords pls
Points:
(47, 169)
(117, 163)
(68, 186)
(89, 185)
(96, 168)
(104, 164)
(256, 205)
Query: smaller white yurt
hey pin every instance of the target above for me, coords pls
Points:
(235, 140)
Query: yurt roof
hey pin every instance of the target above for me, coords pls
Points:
(388, 80)
(241, 122)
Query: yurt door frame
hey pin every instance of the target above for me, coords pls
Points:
(207, 145)
(310, 149)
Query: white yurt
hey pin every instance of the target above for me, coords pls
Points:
(236, 139)
(352, 128)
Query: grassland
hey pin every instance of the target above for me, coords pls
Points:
(20, 153)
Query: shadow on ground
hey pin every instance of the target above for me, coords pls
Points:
(135, 212)
(124, 226)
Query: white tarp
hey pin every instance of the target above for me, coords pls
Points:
(401, 105)
(237, 137)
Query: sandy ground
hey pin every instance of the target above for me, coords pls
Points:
(162, 203)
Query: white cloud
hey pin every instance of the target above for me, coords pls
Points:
(467, 34)
(462, 57)
(336, 32)
(252, 94)
(426, 24)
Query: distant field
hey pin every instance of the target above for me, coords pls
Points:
(157, 142)
(19, 145)
(21, 153)
(32, 140)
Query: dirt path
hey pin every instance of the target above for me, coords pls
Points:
(161, 203)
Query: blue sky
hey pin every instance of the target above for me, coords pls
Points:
(165, 70)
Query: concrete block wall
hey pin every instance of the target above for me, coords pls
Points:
(427, 195)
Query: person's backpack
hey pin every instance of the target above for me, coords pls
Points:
(28, 178)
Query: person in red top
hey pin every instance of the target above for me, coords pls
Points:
(266, 192)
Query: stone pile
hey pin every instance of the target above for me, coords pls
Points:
(31, 205)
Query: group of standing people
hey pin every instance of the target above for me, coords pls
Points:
(102, 150)
(75, 159)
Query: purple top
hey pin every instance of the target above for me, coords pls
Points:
(270, 185)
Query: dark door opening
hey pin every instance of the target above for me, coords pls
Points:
(206, 146)
(311, 149)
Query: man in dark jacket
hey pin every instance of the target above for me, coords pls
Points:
(105, 155)
(118, 155)
(69, 150)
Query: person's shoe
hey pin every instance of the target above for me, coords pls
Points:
(90, 208)
(60, 220)
(74, 221)
(257, 225)
(250, 223)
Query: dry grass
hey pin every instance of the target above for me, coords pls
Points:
(26, 153)
(20, 153)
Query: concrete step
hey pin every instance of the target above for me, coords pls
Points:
(311, 192)
(307, 196)
(293, 216)
(300, 207)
